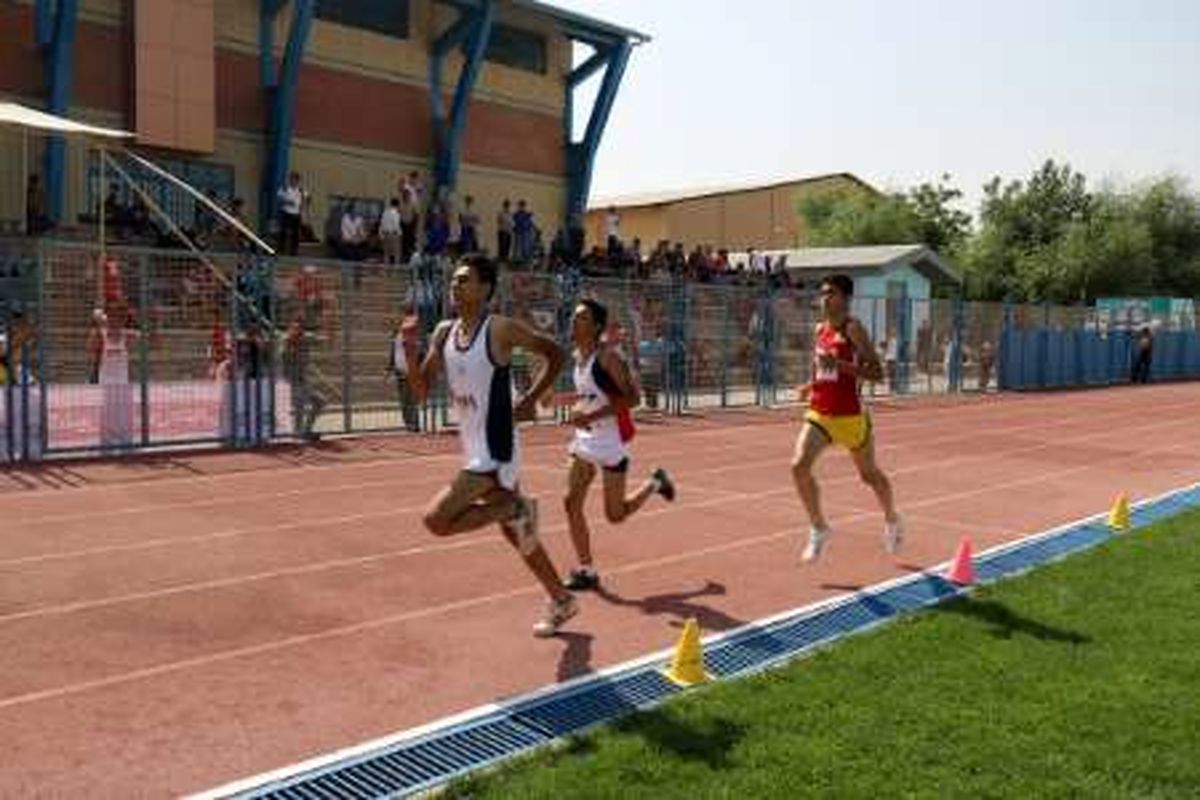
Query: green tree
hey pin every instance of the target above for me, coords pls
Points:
(923, 215)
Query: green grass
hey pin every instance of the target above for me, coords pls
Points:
(1081, 679)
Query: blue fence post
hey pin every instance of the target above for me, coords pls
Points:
(43, 371)
(9, 395)
(347, 309)
(1004, 350)
(903, 330)
(726, 334)
(958, 325)
(144, 344)
(685, 331)
(231, 373)
(272, 336)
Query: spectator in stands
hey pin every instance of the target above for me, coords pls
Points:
(468, 227)
(504, 231)
(678, 260)
(95, 345)
(20, 350)
(987, 360)
(206, 219)
(116, 417)
(1143, 355)
(219, 348)
(523, 232)
(415, 188)
(36, 221)
(756, 265)
(389, 232)
(307, 402)
(310, 296)
(437, 230)
(292, 199)
(352, 240)
(612, 232)
(925, 345)
(633, 259)
(112, 284)
(398, 371)
(410, 217)
(249, 354)
(116, 213)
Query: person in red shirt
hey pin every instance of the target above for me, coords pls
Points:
(843, 357)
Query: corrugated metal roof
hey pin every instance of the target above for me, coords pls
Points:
(695, 193)
(582, 22)
(867, 257)
(849, 257)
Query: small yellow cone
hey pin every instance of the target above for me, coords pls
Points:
(687, 666)
(1118, 518)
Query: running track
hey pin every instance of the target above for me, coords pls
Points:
(170, 625)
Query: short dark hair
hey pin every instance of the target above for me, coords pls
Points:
(485, 270)
(843, 283)
(598, 312)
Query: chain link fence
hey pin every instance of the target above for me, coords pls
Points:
(149, 348)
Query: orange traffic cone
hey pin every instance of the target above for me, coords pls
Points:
(962, 570)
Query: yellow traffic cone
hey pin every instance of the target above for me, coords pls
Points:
(687, 666)
(1118, 518)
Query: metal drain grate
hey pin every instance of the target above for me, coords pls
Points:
(420, 764)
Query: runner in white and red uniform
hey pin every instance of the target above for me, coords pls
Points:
(843, 356)
(604, 394)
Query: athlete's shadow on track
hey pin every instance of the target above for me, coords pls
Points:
(576, 659)
(680, 605)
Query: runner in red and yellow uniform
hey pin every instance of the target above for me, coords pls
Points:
(843, 357)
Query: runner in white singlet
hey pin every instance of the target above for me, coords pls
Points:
(476, 352)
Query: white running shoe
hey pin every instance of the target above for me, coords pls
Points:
(893, 535)
(558, 612)
(817, 537)
(524, 525)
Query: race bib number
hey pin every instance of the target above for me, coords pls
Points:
(825, 374)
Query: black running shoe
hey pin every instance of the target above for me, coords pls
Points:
(582, 580)
(665, 487)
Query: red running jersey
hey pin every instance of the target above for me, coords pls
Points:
(834, 393)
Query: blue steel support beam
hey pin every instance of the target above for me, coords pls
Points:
(282, 103)
(268, 10)
(582, 156)
(588, 68)
(470, 32)
(43, 21)
(55, 30)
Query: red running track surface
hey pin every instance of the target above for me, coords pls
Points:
(172, 624)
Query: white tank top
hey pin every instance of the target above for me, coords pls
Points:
(592, 398)
(481, 396)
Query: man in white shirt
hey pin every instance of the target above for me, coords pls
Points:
(292, 199)
(389, 232)
(612, 228)
(354, 235)
(757, 265)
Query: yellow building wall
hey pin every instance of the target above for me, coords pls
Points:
(695, 222)
(767, 218)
